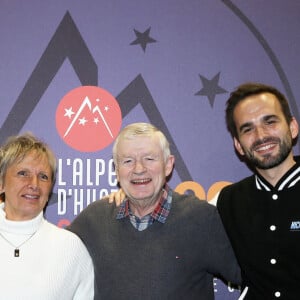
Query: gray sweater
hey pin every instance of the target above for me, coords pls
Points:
(175, 260)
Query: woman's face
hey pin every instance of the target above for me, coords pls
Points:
(27, 186)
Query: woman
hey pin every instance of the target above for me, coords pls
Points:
(38, 260)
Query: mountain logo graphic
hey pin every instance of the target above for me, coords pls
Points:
(88, 118)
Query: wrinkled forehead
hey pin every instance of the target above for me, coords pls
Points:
(139, 145)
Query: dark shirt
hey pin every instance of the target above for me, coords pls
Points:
(263, 224)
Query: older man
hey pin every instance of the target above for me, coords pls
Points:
(157, 244)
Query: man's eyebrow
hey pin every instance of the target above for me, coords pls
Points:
(245, 125)
(264, 118)
(268, 117)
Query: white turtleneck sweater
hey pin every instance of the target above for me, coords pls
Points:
(53, 263)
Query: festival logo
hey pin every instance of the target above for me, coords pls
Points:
(88, 118)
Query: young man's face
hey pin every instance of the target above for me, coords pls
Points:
(264, 136)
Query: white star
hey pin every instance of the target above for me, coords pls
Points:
(69, 112)
(96, 120)
(106, 108)
(82, 121)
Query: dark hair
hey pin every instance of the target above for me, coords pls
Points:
(249, 89)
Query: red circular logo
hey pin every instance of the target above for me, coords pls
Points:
(88, 118)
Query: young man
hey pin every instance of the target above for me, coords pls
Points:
(261, 213)
(157, 244)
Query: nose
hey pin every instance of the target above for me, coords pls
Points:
(260, 132)
(33, 182)
(139, 167)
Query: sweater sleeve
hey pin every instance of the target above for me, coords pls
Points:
(223, 260)
(85, 288)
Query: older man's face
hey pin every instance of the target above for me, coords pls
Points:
(142, 169)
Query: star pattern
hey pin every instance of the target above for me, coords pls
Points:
(68, 112)
(210, 88)
(143, 38)
(82, 121)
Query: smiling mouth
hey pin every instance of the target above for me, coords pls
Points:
(265, 145)
(264, 148)
(33, 197)
(141, 181)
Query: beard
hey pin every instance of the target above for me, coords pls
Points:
(270, 161)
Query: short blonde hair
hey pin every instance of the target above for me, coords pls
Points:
(17, 147)
(141, 129)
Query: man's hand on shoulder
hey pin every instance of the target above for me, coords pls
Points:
(116, 197)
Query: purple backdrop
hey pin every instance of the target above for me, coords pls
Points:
(171, 63)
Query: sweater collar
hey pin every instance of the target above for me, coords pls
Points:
(160, 212)
(19, 227)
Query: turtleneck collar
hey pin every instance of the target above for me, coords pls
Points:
(19, 227)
